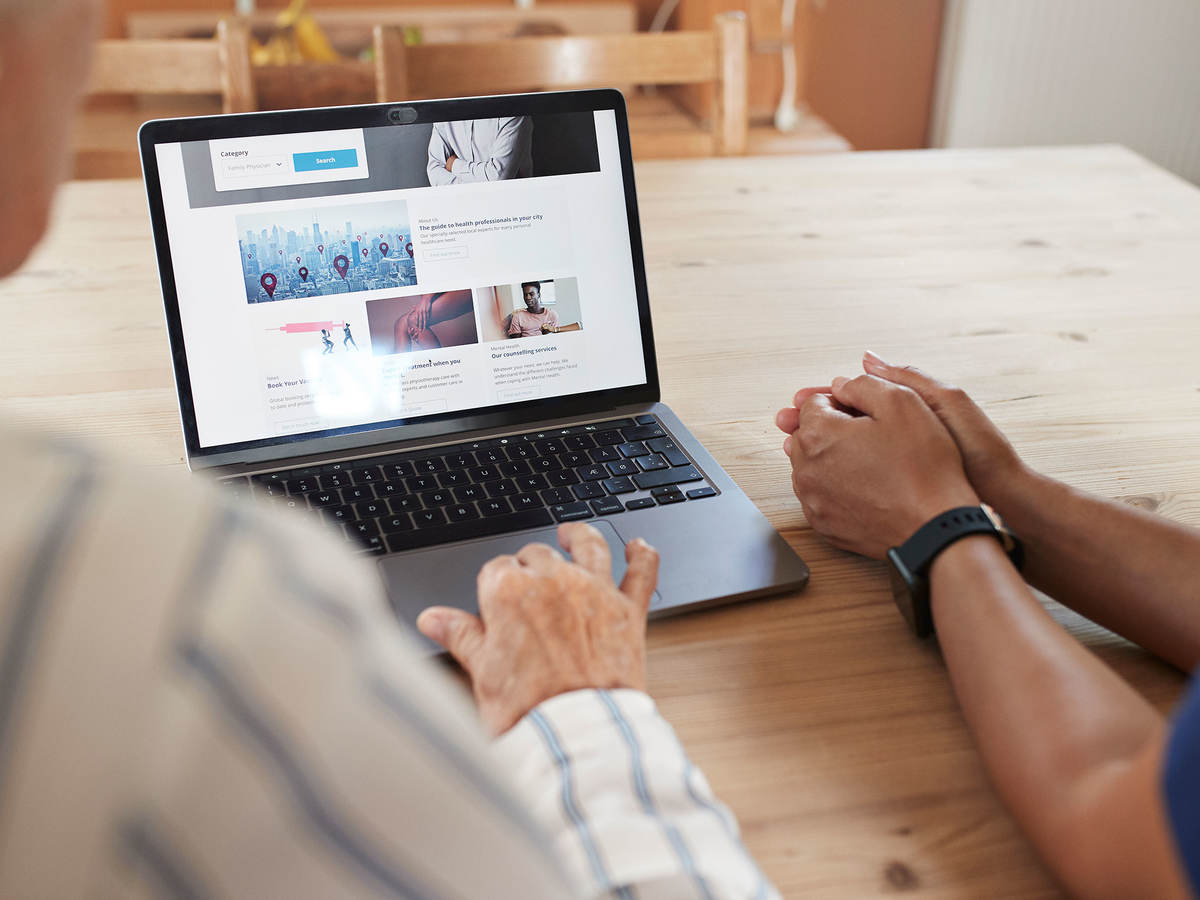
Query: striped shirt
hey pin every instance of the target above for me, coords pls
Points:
(200, 699)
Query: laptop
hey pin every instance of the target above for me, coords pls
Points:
(426, 326)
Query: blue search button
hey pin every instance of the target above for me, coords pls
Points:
(325, 159)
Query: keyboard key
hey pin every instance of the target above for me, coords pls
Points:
(361, 529)
(453, 479)
(646, 420)
(301, 485)
(673, 475)
(606, 506)
(522, 451)
(270, 488)
(532, 483)
(588, 490)
(503, 488)
(579, 442)
(461, 512)
(545, 464)
(497, 507)
(468, 493)
(669, 450)
(556, 496)
(621, 485)
(428, 518)
(358, 492)
(515, 468)
(396, 522)
(592, 473)
(398, 469)
(369, 509)
(622, 467)
(570, 460)
(370, 545)
(475, 528)
(604, 454)
(318, 499)
(495, 456)
(525, 501)
(460, 460)
(270, 478)
(570, 512)
(562, 477)
(699, 493)
(612, 436)
(389, 489)
(652, 462)
(407, 503)
(642, 432)
(548, 448)
(367, 475)
(420, 483)
(633, 448)
(430, 465)
(437, 498)
(669, 495)
(481, 474)
(297, 502)
(337, 514)
(334, 480)
(640, 503)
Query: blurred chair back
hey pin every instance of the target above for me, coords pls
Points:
(218, 66)
(716, 57)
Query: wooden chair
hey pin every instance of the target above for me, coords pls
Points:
(716, 57)
(105, 142)
(218, 66)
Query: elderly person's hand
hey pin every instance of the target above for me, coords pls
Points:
(871, 463)
(547, 626)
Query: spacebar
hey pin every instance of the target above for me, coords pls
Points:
(463, 531)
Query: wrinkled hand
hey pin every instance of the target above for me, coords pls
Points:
(991, 463)
(547, 626)
(871, 463)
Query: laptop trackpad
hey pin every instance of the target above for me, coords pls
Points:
(445, 576)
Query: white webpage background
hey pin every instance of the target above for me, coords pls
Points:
(585, 236)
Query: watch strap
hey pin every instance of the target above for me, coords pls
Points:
(920, 550)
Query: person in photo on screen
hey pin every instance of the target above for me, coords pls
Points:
(349, 338)
(414, 329)
(477, 150)
(534, 319)
(326, 341)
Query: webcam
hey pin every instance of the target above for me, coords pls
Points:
(402, 115)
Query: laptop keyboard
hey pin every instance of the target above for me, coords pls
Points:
(398, 502)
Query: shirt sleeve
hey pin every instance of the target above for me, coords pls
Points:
(435, 166)
(504, 156)
(514, 325)
(606, 778)
(1181, 782)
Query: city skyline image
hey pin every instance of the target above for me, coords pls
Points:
(314, 252)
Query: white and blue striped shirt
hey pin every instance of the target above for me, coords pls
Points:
(200, 700)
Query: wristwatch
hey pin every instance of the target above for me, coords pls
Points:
(909, 563)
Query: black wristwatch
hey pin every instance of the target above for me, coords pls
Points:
(909, 563)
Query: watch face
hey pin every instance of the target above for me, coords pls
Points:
(911, 593)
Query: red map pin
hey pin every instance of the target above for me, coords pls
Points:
(383, 248)
(249, 256)
(303, 273)
(320, 248)
(297, 259)
(408, 247)
(365, 252)
(281, 253)
(359, 236)
(268, 281)
(341, 264)
(343, 242)
(381, 237)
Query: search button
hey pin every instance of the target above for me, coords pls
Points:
(325, 159)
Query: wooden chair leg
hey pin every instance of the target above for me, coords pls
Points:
(391, 63)
(237, 79)
(731, 119)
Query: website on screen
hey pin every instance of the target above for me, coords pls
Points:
(346, 278)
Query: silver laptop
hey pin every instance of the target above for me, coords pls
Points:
(427, 326)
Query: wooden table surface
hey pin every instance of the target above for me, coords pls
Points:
(1060, 286)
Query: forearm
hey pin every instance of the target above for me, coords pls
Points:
(605, 777)
(1129, 570)
(1046, 714)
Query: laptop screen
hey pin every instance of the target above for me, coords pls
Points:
(333, 281)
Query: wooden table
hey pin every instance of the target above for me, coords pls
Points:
(1059, 286)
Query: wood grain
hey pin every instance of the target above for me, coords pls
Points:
(1057, 285)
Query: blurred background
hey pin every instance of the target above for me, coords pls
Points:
(784, 77)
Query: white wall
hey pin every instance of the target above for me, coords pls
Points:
(1017, 72)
